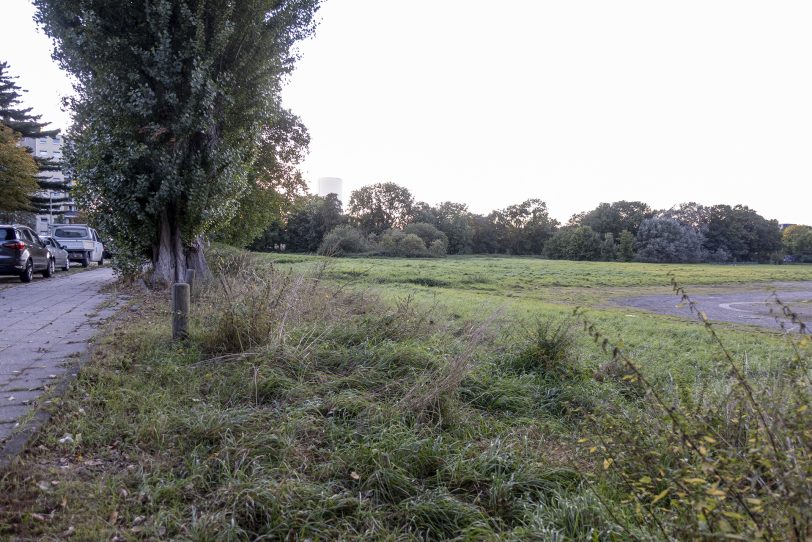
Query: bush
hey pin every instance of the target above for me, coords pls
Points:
(411, 246)
(344, 240)
(427, 232)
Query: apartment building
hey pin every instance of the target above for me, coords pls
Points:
(55, 205)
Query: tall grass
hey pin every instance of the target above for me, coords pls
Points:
(728, 458)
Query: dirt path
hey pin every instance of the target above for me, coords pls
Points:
(43, 325)
(749, 306)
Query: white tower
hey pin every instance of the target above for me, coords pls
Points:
(331, 185)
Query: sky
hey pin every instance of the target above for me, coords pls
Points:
(574, 102)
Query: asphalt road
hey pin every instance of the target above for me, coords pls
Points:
(751, 305)
(44, 327)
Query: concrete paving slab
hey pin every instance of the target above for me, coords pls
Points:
(45, 327)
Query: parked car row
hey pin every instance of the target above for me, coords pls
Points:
(24, 253)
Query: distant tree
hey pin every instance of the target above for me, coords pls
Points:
(381, 206)
(693, 214)
(608, 248)
(574, 243)
(741, 232)
(486, 237)
(17, 170)
(454, 220)
(615, 217)
(312, 218)
(797, 242)
(525, 227)
(665, 240)
(626, 246)
(173, 98)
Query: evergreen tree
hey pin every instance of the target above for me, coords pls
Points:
(21, 121)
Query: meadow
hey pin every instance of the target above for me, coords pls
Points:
(444, 399)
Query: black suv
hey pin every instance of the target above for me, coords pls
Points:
(23, 253)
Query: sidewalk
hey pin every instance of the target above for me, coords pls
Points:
(44, 325)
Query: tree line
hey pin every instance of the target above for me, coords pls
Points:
(384, 218)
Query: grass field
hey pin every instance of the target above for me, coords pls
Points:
(527, 289)
(453, 399)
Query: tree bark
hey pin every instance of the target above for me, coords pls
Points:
(171, 257)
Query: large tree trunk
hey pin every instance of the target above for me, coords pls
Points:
(171, 257)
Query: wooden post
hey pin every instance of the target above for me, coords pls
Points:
(190, 280)
(180, 311)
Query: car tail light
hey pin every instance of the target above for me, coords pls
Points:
(14, 245)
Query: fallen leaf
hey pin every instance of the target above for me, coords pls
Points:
(355, 476)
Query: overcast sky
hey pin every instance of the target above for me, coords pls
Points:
(571, 101)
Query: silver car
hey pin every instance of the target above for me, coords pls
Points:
(58, 252)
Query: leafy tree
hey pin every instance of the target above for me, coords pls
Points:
(666, 240)
(615, 217)
(626, 246)
(693, 214)
(275, 183)
(742, 233)
(525, 227)
(312, 218)
(608, 248)
(17, 170)
(381, 206)
(453, 219)
(797, 242)
(486, 237)
(172, 100)
(574, 243)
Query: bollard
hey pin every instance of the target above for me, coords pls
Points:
(190, 280)
(180, 311)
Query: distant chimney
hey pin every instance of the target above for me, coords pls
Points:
(331, 185)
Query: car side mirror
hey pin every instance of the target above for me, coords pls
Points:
(63, 247)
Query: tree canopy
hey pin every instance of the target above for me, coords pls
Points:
(381, 206)
(173, 97)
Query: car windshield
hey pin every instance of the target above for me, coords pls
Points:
(71, 233)
(6, 234)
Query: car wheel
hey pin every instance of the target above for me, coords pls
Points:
(49, 271)
(28, 274)
(101, 262)
(85, 261)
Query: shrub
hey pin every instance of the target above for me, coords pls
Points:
(730, 460)
(437, 248)
(427, 232)
(343, 240)
(411, 246)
